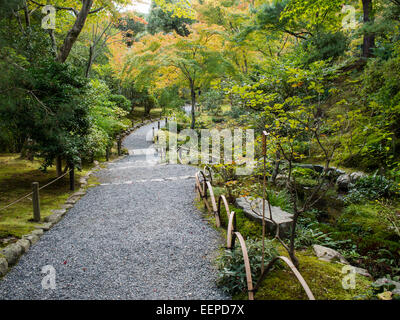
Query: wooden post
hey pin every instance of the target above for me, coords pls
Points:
(72, 177)
(158, 125)
(133, 123)
(107, 153)
(166, 120)
(119, 144)
(35, 202)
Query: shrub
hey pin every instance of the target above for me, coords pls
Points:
(371, 188)
(232, 274)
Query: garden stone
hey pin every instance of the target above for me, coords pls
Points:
(32, 238)
(388, 282)
(282, 218)
(38, 232)
(59, 212)
(355, 176)
(3, 266)
(343, 182)
(54, 218)
(24, 244)
(328, 254)
(12, 252)
(362, 272)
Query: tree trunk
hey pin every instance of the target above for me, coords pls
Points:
(90, 61)
(75, 31)
(369, 38)
(193, 95)
(59, 166)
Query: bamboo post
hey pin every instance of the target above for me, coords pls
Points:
(36, 201)
(72, 177)
(264, 151)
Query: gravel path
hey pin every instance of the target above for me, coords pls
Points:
(135, 236)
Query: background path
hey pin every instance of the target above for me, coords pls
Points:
(136, 236)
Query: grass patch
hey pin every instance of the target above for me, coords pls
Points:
(16, 177)
(138, 113)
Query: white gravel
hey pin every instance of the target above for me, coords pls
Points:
(131, 238)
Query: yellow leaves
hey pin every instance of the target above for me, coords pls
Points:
(296, 85)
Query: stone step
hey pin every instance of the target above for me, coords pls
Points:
(281, 217)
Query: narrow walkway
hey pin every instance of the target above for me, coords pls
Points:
(135, 236)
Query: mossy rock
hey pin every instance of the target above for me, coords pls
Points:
(323, 278)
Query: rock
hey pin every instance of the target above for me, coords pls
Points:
(78, 194)
(362, 272)
(356, 176)
(385, 282)
(45, 226)
(396, 291)
(328, 254)
(32, 238)
(67, 206)
(12, 252)
(24, 244)
(343, 182)
(54, 218)
(38, 232)
(3, 266)
(282, 218)
(387, 295)
(96, 163)
(60, 212)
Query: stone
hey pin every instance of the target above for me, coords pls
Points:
(387, 282)
(32, 238)
(328, 254)
(282, 218)
(343, 182)
(79, 194)
(45, 226)
(96, 163)
(362, 272)
(24, 244)
(3, 266)
(12, 252)
(54, 218)
(38, 232)
(61, 211)
(356, 176)
(67, 206)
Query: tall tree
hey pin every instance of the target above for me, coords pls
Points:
(369, 37)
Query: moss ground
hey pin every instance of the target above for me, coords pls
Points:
(323, 278)
(16, 177)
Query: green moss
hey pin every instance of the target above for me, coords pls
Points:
(323, 278)
(16, 177)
